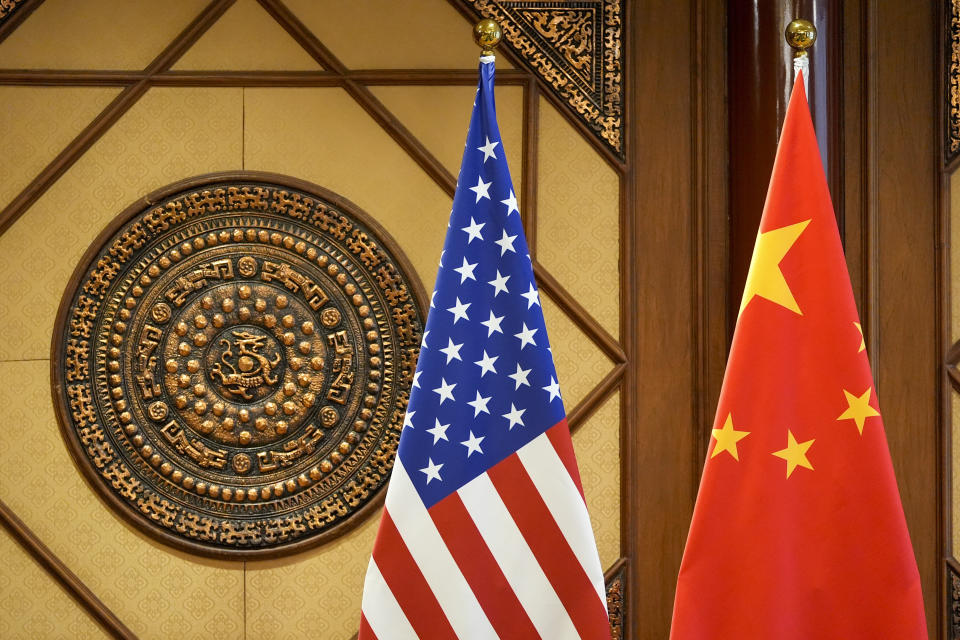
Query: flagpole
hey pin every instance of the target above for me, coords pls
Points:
(800, 35)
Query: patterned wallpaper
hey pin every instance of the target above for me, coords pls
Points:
(578, 215)
(65, 34)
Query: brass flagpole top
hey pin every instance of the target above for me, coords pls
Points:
(487, 35)
(800, 35)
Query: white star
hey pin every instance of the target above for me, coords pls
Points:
(466, 271)
(526, 336)
(408, 419)
(439, 431)
(423, 341)
(486, 363)
(515, 416)
(473, 230)
(416, 379)
(493, 324)
(479, 405)
(459, 310)
(432, 471)
(433, 297)
(532, 297)
(445, 391)
(488, 149)
(499, 284)
(520, 377)
(506, 243)
(473, 444)
(553, 389)
(511, 203)
(482, 189)
(452, 351)
(443, 251)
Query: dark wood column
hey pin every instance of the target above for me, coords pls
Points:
(760, 79)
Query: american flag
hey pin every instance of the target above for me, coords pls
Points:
(485, 531)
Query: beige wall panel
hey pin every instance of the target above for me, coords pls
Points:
(323, 136)
(246, 38)
(311, 595)
(96, 34)
(157, 592)
(37, 123)
(439, 117)
(580, 363)
(168, 135)
(413, 34)
(33, 605)
(578, 218)
(597, 445)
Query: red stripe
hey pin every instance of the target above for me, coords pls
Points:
(366, 633)
(559, 435)
(406, 582)
(478, 566)
(550, 548)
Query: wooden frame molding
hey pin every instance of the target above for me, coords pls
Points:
(113, 111)
(59, 572)
(13, 13)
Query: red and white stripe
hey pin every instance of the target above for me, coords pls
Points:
(511, 554)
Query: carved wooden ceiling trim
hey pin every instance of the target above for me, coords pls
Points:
(576, 48)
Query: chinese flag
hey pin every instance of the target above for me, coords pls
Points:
(798, 531)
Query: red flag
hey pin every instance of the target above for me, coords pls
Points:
(798, 531)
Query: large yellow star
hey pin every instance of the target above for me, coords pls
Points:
(727, 439)
(795, 454)
(765, 278)
(858, 408)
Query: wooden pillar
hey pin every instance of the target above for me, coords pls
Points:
(760, 79)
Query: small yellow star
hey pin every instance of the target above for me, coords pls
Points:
(858, 408)
(727, 439)
(863, 342)
(795, 454)
(765, 278)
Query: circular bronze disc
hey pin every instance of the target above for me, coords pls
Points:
(232, 362)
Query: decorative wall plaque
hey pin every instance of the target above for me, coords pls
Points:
(232, 363)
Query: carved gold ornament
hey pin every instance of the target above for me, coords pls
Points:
(577, 50)
(232, 363)
(952, 108)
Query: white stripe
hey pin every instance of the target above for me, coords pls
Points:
(436, 563)
(565, 503)
(380, 608)
(516, 560)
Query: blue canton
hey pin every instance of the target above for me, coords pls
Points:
(485, 383)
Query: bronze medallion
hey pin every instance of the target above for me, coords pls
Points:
(232, 363)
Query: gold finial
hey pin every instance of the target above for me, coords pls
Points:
(800, 34)
(487, 34)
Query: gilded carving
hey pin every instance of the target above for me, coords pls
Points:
(953, 595)
(576, 48)
(232, 367)
(615, 602)
(952, 142)
(8, 7)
